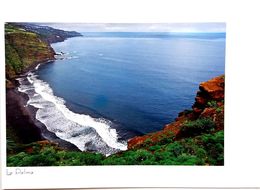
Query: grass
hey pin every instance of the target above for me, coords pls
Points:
(200, 150)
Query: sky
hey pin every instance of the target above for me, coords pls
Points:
(139, 27)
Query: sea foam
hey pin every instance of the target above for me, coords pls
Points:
(84, 131)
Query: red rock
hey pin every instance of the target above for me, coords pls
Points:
(208, 112)
(212, 90)
(200, 100)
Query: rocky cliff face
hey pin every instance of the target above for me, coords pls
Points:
(24, 49)
(207, 115)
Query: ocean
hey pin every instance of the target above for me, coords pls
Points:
(106, 88)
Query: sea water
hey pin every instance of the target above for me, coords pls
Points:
(104, 89)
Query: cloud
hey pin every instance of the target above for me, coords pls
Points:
(140, 27)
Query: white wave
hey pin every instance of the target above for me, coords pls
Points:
(82, 130)
(37, 67)
(29, 78)
(21, 89)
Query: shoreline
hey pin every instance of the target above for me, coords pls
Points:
(21, 117)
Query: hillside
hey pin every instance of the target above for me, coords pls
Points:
(23, 49)
(46, 33)
(29, 44)
(196, 137)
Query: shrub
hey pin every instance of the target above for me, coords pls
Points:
(199, 150)
(212, 104)
(201, 153)
(147, 142)
(185, 159)
(201, 125)
(164, 139)
(175, 148)
(161, 156)
(154, 148)
(219, 109)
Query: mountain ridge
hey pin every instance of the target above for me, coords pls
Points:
(27, 45)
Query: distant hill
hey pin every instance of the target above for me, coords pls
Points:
(48, 34)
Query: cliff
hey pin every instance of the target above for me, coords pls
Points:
(206, 116)
(23, 49)
(28, 44)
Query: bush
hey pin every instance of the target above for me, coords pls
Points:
(214, 146)
(199, 150)
(154, 148)
(164, 139)
(201, 153)
(201, 125)
(212, 104)
(185, 159)
(175, 148)
(49, 156)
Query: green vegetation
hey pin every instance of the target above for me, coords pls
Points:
(201, 125)
(206, 149)
(199, 144)
(50, 155)
(212, 104)
(219, 109)
(22, 49)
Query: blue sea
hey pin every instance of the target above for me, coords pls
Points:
(105, 88)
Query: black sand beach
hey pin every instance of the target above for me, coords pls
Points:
(20, 118)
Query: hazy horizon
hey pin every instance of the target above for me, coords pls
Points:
(141, 27)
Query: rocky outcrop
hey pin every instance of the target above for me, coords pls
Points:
(212, 90)
(209, 103)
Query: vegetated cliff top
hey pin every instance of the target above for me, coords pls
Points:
(23, 49)
(27, 44)
(48, 34)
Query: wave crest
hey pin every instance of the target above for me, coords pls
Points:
(87, 133)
